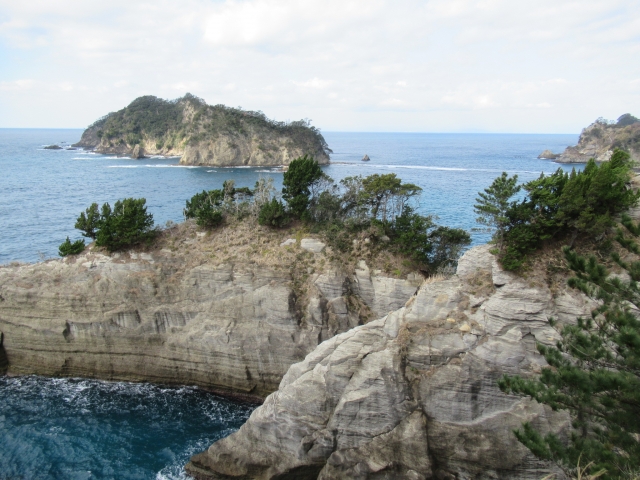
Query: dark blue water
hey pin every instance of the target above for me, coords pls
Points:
(87, 429)
(43, 191)
(82, 429)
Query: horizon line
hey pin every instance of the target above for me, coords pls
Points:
(353, 131)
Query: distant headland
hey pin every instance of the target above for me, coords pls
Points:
(599, 139)
(203, 134)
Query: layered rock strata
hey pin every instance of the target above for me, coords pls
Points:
(413, 394)
(234, 327)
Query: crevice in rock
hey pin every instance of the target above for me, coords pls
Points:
(4, 360)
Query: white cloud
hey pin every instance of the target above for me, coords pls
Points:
(17, 85)
(547, 65)
(314, 83)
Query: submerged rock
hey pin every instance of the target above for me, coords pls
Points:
(53, 147)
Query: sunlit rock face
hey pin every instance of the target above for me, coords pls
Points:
(413, 394)
(182, 318)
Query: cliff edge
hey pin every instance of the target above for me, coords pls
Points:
(599, 139)
(202, 134)
(230, 310)
(414, 394)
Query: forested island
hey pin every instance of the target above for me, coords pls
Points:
(203, 134)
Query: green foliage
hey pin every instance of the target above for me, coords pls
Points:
(626, 119)
(126, 225)
(427, 244)
(556, 206)
(448, 243)
(410, 232)
(386, 195)
(339, 236)
(71, 248)
(273, 214)
(89, 221)
(298, 181)
(492, 204)
(594, 372)
(206, 208)
(325, 208)
(165, 123)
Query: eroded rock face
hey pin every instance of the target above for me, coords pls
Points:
(598, 141)
(149, 317)
(412, 395)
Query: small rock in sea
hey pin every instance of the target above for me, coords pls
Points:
(53, 147)
(138, 152)
(365, 158)
(71, 148)
(548, 155)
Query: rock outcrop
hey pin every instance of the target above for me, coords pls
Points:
(202, 134)
(413, 394)
(175, 315)
(599, 139)
(548, 155)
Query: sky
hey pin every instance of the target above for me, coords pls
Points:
(543, 66)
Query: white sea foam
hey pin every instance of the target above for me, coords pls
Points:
(433, 168)
(153, 166)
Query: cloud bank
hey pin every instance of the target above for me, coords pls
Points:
(430, 66)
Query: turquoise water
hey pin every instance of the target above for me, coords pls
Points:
(86, 429)
(43, 191)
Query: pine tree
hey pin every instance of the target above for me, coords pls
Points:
(298, 183)
(493, 204)
(594, 372)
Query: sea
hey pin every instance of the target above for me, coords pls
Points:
(88, 429)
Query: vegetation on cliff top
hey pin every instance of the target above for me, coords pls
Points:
(557, 207)
(374, 216)
(379, 205)
(189, 120)
(594, 371)
(126, 225)
(623, 133)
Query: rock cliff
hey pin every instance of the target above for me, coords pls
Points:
(202, 134)
(226, 315)
(413, 394)
(599, 139)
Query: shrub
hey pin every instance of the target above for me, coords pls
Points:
(563, 205)
(126, 225)
(427, 244)
(593, 373)
(206, 208)
(298, 181)
(89, 221)
(71, 248)
(273, 214)
(492, 204)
